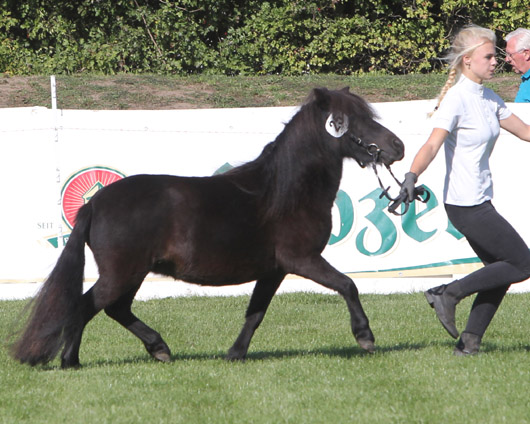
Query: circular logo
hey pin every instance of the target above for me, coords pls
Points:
(82, 186)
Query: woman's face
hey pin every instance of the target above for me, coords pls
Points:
(480, 65)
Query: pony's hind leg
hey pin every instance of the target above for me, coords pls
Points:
(153, 342)
(116, 299)
(73, 335)
(320, 271)
(260, 300)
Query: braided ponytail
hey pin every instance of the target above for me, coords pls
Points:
(451, 78)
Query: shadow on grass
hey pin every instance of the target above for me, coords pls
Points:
(346, 352)
(337, 352)
(490, 347)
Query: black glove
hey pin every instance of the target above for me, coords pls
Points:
(408, 186)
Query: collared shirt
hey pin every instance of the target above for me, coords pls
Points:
(471, 114)
(523, 95)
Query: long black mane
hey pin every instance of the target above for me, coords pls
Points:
(300, 156)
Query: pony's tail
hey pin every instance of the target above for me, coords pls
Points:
(55, 310)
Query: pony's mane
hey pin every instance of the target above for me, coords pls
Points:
(299, 149)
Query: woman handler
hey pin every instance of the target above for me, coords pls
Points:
(467, 121)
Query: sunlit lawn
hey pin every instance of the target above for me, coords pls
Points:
(303, 367)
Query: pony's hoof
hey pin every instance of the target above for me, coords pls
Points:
(162, 356)
(234, 356)
(65, 365)
(367, 345)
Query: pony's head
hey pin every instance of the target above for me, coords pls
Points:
(350, 122)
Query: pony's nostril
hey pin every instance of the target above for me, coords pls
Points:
(397, 143)
(399, 146)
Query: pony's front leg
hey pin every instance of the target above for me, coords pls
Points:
(320, 271)
(260, 300)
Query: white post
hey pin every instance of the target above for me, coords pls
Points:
(60, 241)
(54, 92)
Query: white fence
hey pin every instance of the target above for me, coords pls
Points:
(53, 160)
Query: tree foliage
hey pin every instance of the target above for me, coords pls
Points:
(233, 37)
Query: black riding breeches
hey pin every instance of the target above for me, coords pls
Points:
(503, 252)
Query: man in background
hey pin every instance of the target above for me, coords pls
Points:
(518, 55)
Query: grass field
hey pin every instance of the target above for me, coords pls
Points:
(303, 367)
(155, 92)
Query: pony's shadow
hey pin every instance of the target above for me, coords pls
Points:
(346, 352)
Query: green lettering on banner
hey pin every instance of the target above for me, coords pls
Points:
(381, 222)
(54, 241)
(345, 206)
(224, 168)
(453, 231)
(409, 221)
(378, 217)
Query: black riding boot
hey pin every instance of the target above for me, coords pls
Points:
(469, 344)
(444, 299)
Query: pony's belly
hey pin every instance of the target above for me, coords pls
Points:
(217, 270)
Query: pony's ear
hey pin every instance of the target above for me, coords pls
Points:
(322, 98)
(346, 90)
(337, 124)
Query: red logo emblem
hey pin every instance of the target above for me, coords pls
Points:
(82, 186)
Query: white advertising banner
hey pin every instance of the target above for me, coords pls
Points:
(52, 161)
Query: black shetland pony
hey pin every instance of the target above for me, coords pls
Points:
(259, 221)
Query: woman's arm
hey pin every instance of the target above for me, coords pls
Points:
(428, 151)
(516, 126)
(421, 161)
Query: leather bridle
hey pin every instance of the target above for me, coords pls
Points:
(394, 202)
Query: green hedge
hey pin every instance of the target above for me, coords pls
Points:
(232, 37)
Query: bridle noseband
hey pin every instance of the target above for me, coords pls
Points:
(375, 152)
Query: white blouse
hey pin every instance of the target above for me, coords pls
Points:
(471, 114)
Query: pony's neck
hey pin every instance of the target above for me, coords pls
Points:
(305, 172)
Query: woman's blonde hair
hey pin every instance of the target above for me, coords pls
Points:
(464, 43)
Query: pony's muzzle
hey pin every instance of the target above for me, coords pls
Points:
(395, 153)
